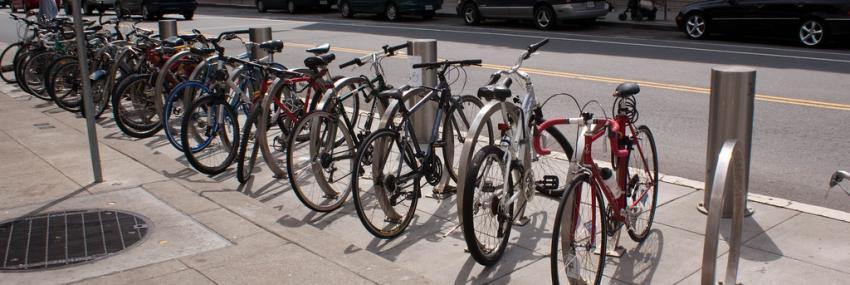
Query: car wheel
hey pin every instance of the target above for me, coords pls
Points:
(87, 10)
(471, 15)
(261, 6)
(188, 15)
(146, 12)
(345, 9)
(428, 15)
(544, 18)
(812, 33)
(391, 12)
(13, 8)
(696, 26)
(290, 6)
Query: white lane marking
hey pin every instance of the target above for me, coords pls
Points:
(404, 27)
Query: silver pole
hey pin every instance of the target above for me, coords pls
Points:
(258, 36)
(167, 29)
(88, 100)
(423, 51)
(733, 90)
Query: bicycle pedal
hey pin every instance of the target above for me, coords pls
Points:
(549, 182)
(521, 222)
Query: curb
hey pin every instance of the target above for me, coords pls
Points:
(632, 25)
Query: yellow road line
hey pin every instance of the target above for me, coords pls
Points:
(659, 85)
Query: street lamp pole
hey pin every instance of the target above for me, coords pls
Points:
(88, 100)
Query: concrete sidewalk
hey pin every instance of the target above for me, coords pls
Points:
(212, 230)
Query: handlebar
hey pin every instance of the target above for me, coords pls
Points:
(391, 50)
(386, 50)
(447, 63)
(533, 48)
(356, 61)
(613, 126)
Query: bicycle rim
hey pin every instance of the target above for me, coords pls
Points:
(579, 236)
(216, 129)
(320, 168)
(642, 178)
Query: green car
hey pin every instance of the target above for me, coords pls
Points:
(390, 9)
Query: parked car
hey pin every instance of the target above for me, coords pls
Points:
(547, 14)
(293, 6)
(3, 3)
(811, 22)
(89, 6)
(391, 9)
(154, 9)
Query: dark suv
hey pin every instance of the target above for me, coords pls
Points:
(154, 9)
(547, 14)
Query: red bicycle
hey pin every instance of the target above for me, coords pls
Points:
(284, 108)
(583, 222)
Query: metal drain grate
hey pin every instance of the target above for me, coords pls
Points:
(58, 239)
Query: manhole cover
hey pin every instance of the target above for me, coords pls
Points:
(58, 239)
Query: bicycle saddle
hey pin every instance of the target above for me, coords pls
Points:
(202, 51)
(188, 37)
(272, 46)
(314, 62)
(627, 89)
(320, 50)
(173, 42)
(495, 91)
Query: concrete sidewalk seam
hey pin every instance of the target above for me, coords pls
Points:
(42, 159)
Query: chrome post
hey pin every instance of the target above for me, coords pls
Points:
(88, 100)
(258, 36)
(730, 117)
(167, 29)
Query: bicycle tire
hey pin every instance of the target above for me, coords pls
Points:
(566, 206)
(640, 235)
(69, 71)
(143, 101)
(398, 223)
(320, 165)
(275, 157)
(19, 69)
(451, 130)
(7, 62)
(33, 74)
(540, 175)
(193, 152)
(175, 108)
(50, 75)
(245, 169)
(484, 254)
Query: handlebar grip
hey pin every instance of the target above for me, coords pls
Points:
(393, 49)
(351, 62)
(533, 48)
(539, 130)
(471, 62)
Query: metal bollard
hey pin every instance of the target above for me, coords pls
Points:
(258, 36)
(730, 117)
(423, 51)
(167, 29)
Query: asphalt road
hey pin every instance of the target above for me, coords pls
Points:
(802, 112)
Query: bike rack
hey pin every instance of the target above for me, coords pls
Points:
(729, 178)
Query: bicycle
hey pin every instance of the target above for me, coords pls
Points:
(503, 178)
(326, 158)
(583, 222)
(392, 189)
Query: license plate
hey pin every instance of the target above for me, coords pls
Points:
(323, 2)
(429, 7)
(591, 4)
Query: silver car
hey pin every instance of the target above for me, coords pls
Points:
(547, 14)
(89, 6)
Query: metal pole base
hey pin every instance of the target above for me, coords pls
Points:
(617, 250)
(701, 208)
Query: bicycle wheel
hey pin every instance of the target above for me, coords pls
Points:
(578, 232)
(456, 125)
(133, 107)
(486, 226)
(67, 89)
(210, 132)
(549, 169)
(642, 193)
(273, 131)
(319, 169)
(177, 105)
(50, 75)
(19, 68)
(385, 203)
(7, 62)
(248, 147)
(33, 74)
